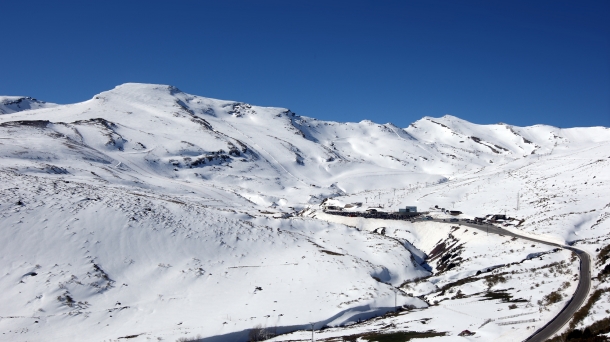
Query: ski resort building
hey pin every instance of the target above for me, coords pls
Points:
(408, 211)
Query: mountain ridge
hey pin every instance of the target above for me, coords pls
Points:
(452, 138)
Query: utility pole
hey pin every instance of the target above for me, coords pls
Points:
(395, 294)
(312, 324)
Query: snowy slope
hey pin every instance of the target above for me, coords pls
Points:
(83, 259)
(148, 211)
(562, 196)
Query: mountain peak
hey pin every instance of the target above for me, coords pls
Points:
(131, 86)
(14, 104)
(142, 88)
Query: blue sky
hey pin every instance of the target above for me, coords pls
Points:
(519, 62)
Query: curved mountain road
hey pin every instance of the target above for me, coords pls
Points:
(582, 291)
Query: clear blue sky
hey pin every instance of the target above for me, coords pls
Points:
(519, 62)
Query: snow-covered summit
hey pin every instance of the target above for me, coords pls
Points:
(14, 104)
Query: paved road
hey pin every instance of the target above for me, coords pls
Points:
(584, 285)
(582, 291)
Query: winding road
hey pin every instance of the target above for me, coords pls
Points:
(582, 291)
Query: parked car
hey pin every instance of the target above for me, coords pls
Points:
(453, 220)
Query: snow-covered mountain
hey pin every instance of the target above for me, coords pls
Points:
(269, 156)
(151, 212)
